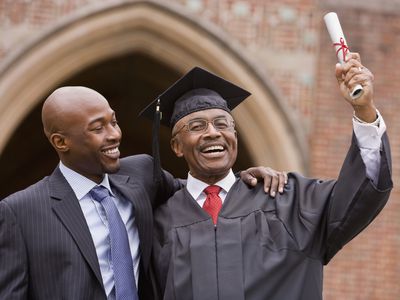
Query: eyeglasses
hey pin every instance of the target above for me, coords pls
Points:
(201, 125)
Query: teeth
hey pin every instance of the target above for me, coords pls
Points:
(214, 148)
(111, 151)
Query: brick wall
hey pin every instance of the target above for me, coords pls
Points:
(368, 267)
(288, 39)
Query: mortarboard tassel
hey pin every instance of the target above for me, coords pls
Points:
(157, 173)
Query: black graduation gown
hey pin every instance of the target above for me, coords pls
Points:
(265, 248)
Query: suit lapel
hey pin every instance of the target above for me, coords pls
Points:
(68, 210)
(143, 212)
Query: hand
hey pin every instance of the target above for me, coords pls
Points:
(274, 181)
(348, 75)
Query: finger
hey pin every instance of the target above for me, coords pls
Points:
(267, 183)
(274, 185)
(353, 71)
(268, 174)
(352, 66)
(248, 178)
(356, 75)
(252, 175)
(356, 79)
(354, 56)
(353, 81)
(365, 70)
(282, 181)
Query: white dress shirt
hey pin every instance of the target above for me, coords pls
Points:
(98, 224)
(196, 187)
(369, 137)
(369, 141)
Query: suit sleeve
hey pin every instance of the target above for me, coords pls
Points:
(172, 184)
(13, 258)
(166, 188)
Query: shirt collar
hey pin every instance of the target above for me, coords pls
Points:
(195, 187)
(80, 184)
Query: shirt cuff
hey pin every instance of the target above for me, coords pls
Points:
(369, 134)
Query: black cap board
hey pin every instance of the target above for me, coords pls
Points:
(195, 91)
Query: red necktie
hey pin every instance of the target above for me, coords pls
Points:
(213, 202)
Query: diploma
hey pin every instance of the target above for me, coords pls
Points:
(339, 42)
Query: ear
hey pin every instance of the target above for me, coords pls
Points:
(58, 141)
(176, 146)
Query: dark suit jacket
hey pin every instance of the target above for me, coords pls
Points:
(46, 250)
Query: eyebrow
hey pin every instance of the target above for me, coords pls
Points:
(99, 119)
(204, 118)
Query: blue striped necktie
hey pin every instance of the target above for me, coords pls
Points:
(124, 277)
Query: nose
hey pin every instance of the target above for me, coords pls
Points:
(211, 130)
(114, 132)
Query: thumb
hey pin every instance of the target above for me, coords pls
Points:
(339, 73)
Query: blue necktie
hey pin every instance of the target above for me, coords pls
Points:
(124, 277)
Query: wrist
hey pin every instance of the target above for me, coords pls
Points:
(366, 113)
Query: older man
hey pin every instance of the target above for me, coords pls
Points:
(218, 239)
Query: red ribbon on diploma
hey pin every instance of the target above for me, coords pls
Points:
(342, 47)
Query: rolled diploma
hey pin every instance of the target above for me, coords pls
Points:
(339, 41)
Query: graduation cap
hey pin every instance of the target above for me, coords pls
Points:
(197, 90)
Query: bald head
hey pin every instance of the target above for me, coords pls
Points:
(83, 129)
(65, 102)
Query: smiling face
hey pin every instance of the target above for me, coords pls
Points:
(84, 131)
(209, 154)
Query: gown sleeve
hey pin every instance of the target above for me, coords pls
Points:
(322, 216)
